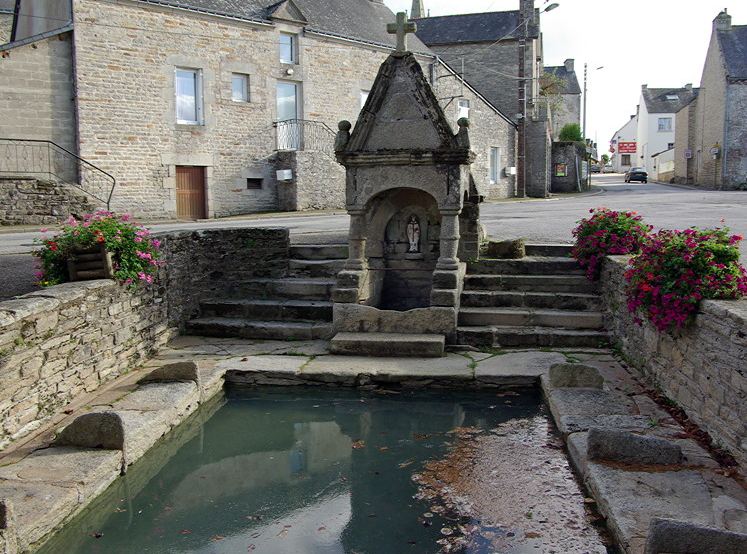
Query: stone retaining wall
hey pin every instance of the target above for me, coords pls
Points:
(41, 202)
(702, 367)
(65, 340)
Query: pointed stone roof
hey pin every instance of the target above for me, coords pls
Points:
(402, 113)
(287, 10)
(734, 48)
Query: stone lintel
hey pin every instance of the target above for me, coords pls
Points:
(406, 157)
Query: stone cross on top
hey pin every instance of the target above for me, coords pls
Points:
(401, 28)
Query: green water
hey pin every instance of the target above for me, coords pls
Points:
(286, 471)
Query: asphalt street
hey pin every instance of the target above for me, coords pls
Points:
(537, 220)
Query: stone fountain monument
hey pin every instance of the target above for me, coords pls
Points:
(413, 217)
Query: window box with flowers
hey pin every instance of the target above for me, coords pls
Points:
(99, 245)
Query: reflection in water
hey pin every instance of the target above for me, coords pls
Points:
(290, 471)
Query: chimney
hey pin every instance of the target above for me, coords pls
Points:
(722, 22)
(689, 87)
(644, 87)
(568, 65)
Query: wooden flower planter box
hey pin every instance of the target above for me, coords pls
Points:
(91, 263)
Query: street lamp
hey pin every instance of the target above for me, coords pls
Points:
(583, 130)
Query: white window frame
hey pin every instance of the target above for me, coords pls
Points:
(495, 165)
(293, 58)
(462, 108)
(364, 97)
(243, 87)
(197, 94)
(665, 124)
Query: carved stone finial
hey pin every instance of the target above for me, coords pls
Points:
(463, 133)
(401, 28)
(343, 135)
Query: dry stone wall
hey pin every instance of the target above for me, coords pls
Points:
(69, 339)
(702, 367)
(38, 202)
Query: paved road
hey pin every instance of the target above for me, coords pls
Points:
(548, 220)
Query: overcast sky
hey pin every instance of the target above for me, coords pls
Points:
(660, 43)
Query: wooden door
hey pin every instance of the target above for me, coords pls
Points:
(190, 192)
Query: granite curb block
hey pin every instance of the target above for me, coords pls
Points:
(637, 471)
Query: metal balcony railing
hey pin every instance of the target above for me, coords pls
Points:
(35, 158)
(303, 134)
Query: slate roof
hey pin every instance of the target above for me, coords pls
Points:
(657, 100)
(734, 48)
(359, 19)
(466, 28)
(566, 77)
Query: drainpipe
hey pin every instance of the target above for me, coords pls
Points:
(725, 149)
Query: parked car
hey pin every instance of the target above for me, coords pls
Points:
(607, 168)
(636, 174)
(595, 168)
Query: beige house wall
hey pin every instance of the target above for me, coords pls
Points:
(709, 119)
(684, 168)
(735, 154)
(36, 92)
(6, 24)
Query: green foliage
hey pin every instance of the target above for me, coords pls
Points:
(571, 132)
(135, 253)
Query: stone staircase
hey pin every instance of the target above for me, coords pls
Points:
(294, 307)
(541, 300)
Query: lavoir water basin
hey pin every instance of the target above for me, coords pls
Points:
(297, 470)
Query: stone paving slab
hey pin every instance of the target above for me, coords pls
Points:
(452, 366)
(516, 367)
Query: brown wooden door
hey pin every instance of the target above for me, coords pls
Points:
(190, 192)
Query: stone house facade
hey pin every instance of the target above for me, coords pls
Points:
(214, 108)
(711, 149)
(562, 91)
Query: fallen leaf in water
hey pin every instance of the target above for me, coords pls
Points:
(255, 535)
(218, 538)
(69, 411)
(531, 535)
(371, 515)
(283, 533)
(186, 531)
(405, 464)
(96, 535)
(250, 548)
(358, 444)
(322, 528)
(384, 448)
(411, 543)
(420, 436)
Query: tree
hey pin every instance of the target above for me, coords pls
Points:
(571, 132)
(605, 158)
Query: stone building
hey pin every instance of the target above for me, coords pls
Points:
(500, 53)
(559, 86)
(6, 19)
(209, 108)
(710, 145)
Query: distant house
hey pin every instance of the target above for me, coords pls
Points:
(656, 121)
(711, 144)
(560, 87)
(484, 49)
(623, 146)
(210, 108)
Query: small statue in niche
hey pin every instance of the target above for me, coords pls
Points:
(413, 235)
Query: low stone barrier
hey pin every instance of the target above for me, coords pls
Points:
(41, 202)
(68, 339)
(702, 367)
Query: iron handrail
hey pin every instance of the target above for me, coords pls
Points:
(28, 157)
(304, 134)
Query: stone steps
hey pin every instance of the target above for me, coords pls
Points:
(515, 317)
(272, 309)
(388, 344)
(530, 283)
(537, 301)
(259, 329)
(531, 299)
(497, 336)
(296, 306)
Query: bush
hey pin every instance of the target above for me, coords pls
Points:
(607, 232)
(571, 132)
(134, 252)
(676, 269)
